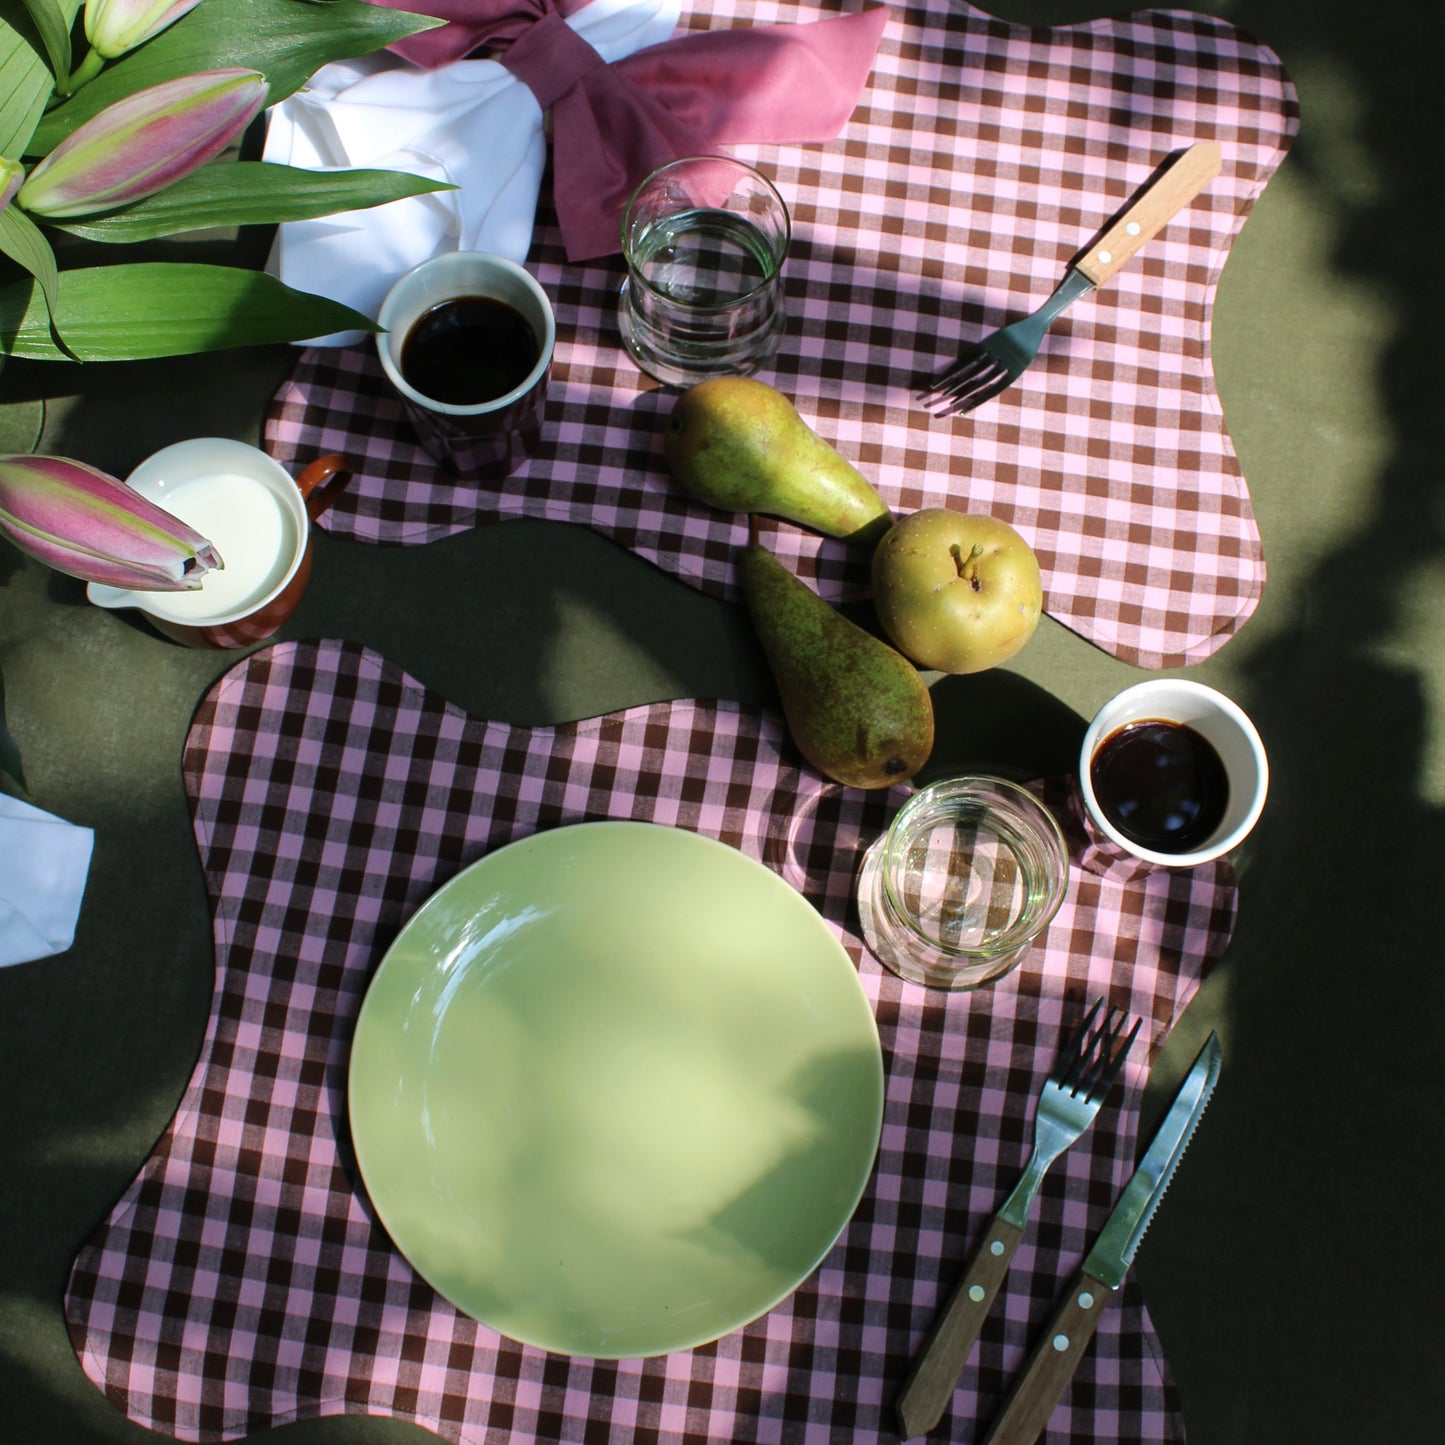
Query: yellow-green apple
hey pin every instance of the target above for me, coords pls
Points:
(956, 592)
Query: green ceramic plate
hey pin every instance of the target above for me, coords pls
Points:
(615, 1090)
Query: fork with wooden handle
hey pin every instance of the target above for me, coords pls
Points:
(1068, 1102)
(988, 366)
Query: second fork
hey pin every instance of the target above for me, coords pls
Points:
(1084, 1073)
(986, 368)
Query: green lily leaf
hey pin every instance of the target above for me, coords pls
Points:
(164, 308)
(52, 24)
(24, 242)
(26, 81)
(9, 753)
(245, 193)
(286, 40)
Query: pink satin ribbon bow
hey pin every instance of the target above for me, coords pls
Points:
(614, 124)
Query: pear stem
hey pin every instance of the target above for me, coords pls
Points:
(967, 566)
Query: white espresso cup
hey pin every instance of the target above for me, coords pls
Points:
(1172, 773)
(477, 405)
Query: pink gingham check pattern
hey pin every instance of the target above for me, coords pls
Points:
(982, 158)
(243, 1281)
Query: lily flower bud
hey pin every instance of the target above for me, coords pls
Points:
(85, 523)
(143, 143)
(11, 174)
(115, 26)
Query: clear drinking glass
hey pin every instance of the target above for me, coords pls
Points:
(704, 239)
(968, 874)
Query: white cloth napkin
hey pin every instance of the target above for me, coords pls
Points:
(44, 862)
(472, 123)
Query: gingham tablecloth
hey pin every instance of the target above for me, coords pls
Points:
(981, 159)
(243, 1280)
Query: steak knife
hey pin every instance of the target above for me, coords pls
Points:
(1057, 1354)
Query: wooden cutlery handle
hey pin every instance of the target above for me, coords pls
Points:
(1051, 1365)
(930, 1384)
(1170, 193)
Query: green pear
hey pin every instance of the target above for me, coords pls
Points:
(856, 708)
(740, 445)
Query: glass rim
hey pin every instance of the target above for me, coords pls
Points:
(1036, 820)
(780, 253)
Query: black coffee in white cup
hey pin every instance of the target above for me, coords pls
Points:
(1173, 773)
(467, 344)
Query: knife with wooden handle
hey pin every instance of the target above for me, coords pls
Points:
(1058, 1351)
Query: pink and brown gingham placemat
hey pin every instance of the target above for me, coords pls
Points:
(982, 158)
(243, 1280)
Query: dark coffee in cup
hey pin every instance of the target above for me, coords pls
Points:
(1161, 784)
(468, 350)
(466, 339)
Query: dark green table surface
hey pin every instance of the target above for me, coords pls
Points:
(1292, 1272)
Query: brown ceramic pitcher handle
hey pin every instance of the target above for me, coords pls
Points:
(322, 482)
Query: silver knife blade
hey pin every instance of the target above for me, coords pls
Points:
(1114, 1250)
(1059, 1349)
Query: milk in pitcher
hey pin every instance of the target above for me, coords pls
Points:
(253, 530)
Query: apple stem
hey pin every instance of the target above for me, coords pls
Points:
(968, 566)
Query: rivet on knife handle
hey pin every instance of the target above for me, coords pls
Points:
(1186, 176)
(1051, 1366)
(930, 1387)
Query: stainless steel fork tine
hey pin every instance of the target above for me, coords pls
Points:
(1094, 1062)
(1071, 1057)
(1099, 1047)
(1108, 1060)
(970, 363)
(976, 396)
(981, 375)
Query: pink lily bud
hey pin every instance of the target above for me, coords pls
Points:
(115, 26)
(84, 522)
(143, 143)
(11, 174)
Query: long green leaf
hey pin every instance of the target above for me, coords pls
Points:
(286, 40)
(246, 193)
(26, 82)
(165, 308)
(24, 242)
(52, 24)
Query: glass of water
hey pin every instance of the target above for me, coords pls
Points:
(704, 239)
(969, 873)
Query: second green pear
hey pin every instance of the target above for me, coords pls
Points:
(740, 445)
(856, 708)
